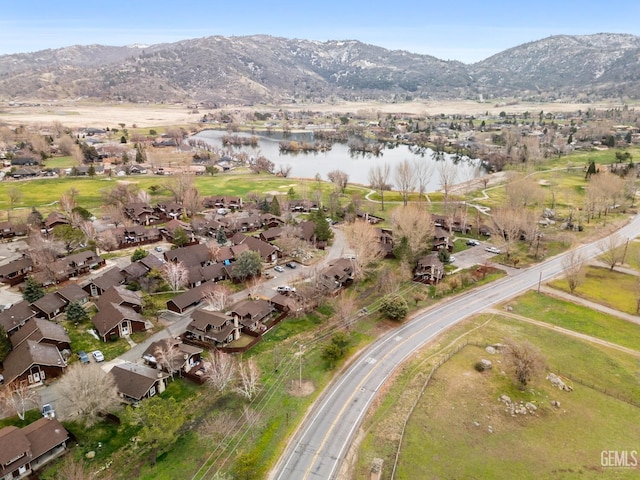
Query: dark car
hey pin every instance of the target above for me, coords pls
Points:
(473, 243)
(82, 355)
(290, 265)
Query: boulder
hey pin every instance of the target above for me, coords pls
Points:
(490, 350)
(486, 364)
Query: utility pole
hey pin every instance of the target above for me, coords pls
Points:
(539, 281)
(300, 358)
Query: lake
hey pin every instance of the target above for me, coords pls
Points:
(357, 166)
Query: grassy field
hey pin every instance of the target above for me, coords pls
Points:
(622, 298)
(441, 440)
(577, 318)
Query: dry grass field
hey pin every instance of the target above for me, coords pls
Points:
(93, 114)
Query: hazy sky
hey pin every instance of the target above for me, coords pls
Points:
(465, 30)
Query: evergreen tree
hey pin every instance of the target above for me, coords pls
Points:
(139, 254)
(591, 170)
(92, 171)
(125, 158)
(123, 139)
(180, 237)
(5, 344)
(139, 155)
(275, 206)
(264, 206)
(221, 237)
(76, 313)
(322, 230)
(35, 218)
(33, 291)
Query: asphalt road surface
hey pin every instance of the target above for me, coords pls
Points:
(320, 444)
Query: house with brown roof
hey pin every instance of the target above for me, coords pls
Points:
(213, 328)
(251, 314)
(15, 271)
(182, 302)
(136, 382)
(169, 229)
(49, 306)
(429, 269)
(171, 354)
(42, 331)
(215, 272)
(55, 219)
(337, 274)
(271, 234)
(189, 256)
(141, 213)
(9, 230)
(169, 210)
(33, 362)
(98, 285)
(73, 293)
(268, 253)
(118, 314)
(25, 450)
(136, 235)
(16, 317)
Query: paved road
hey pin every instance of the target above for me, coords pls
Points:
(320, 444)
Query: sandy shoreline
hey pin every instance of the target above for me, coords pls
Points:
(102, 115)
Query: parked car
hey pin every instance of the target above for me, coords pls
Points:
(84, 358)
(473, 243)
(158, 249)
(278, 268)
(492, 250)
(285, 289)
(451, 259)
(290, 265)
(48, 411)
(98, 356)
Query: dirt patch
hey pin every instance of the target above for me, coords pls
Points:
(295, 389)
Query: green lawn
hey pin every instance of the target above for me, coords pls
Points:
(441, 441)
(622, 298)
(577, 318)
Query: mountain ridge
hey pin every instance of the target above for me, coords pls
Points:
(261, 68)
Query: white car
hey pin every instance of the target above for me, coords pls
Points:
(278, 268)
(285, 289)
(452, 259)
(98, 356)
(492, 250)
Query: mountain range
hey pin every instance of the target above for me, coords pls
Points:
(263, 69)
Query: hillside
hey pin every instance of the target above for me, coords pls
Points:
(253, 69)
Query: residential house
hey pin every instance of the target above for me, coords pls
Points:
(136, 235)
(442, 240)
(98, 285)
(231, 203)
(136, 382)
(16, 317)
(251, 314)
(189, 256)
(271, 221)
(33, 362)
(214, 328)
(25, 450)
(286, 303)
(268, 253)
(25, 172)
(25, 162)
(271, 234)
(142, 214)
(385, 239)
(73, 293)
(49, 306)
(169, 210)
(337, 274)
(172, 355)
(198, 275)
(42, 331)
(118, 314)
(429, 269)
(303, 205)
(9, 230)
(307, 230)
(55, 219)
(182, 302)
(15, 271)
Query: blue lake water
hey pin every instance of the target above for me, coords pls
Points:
(307, 165)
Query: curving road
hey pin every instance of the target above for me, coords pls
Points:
(320, 444)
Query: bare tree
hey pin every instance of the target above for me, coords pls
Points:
(18, 398)
(290, 241)
(217, 297)
(192, 202)
(524, 360)
(167, 356)
(422, 171)
(248, 379)
(67, 203)
(175, 274)
(73, 469)
(285, 170)
(339, 179)
(612, 250)
(379, 179)
(254, 285)
(14, 195)
(413, 227)
(405, 179)
(220, 371)
(179, 185)
(344, 307)
(523, 191)
(506, 227)
(573, 266)
(448, 174)
(86, 391)
(364, 240)
(107, 240)
(115, 214)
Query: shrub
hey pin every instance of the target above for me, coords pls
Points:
(394, 307)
